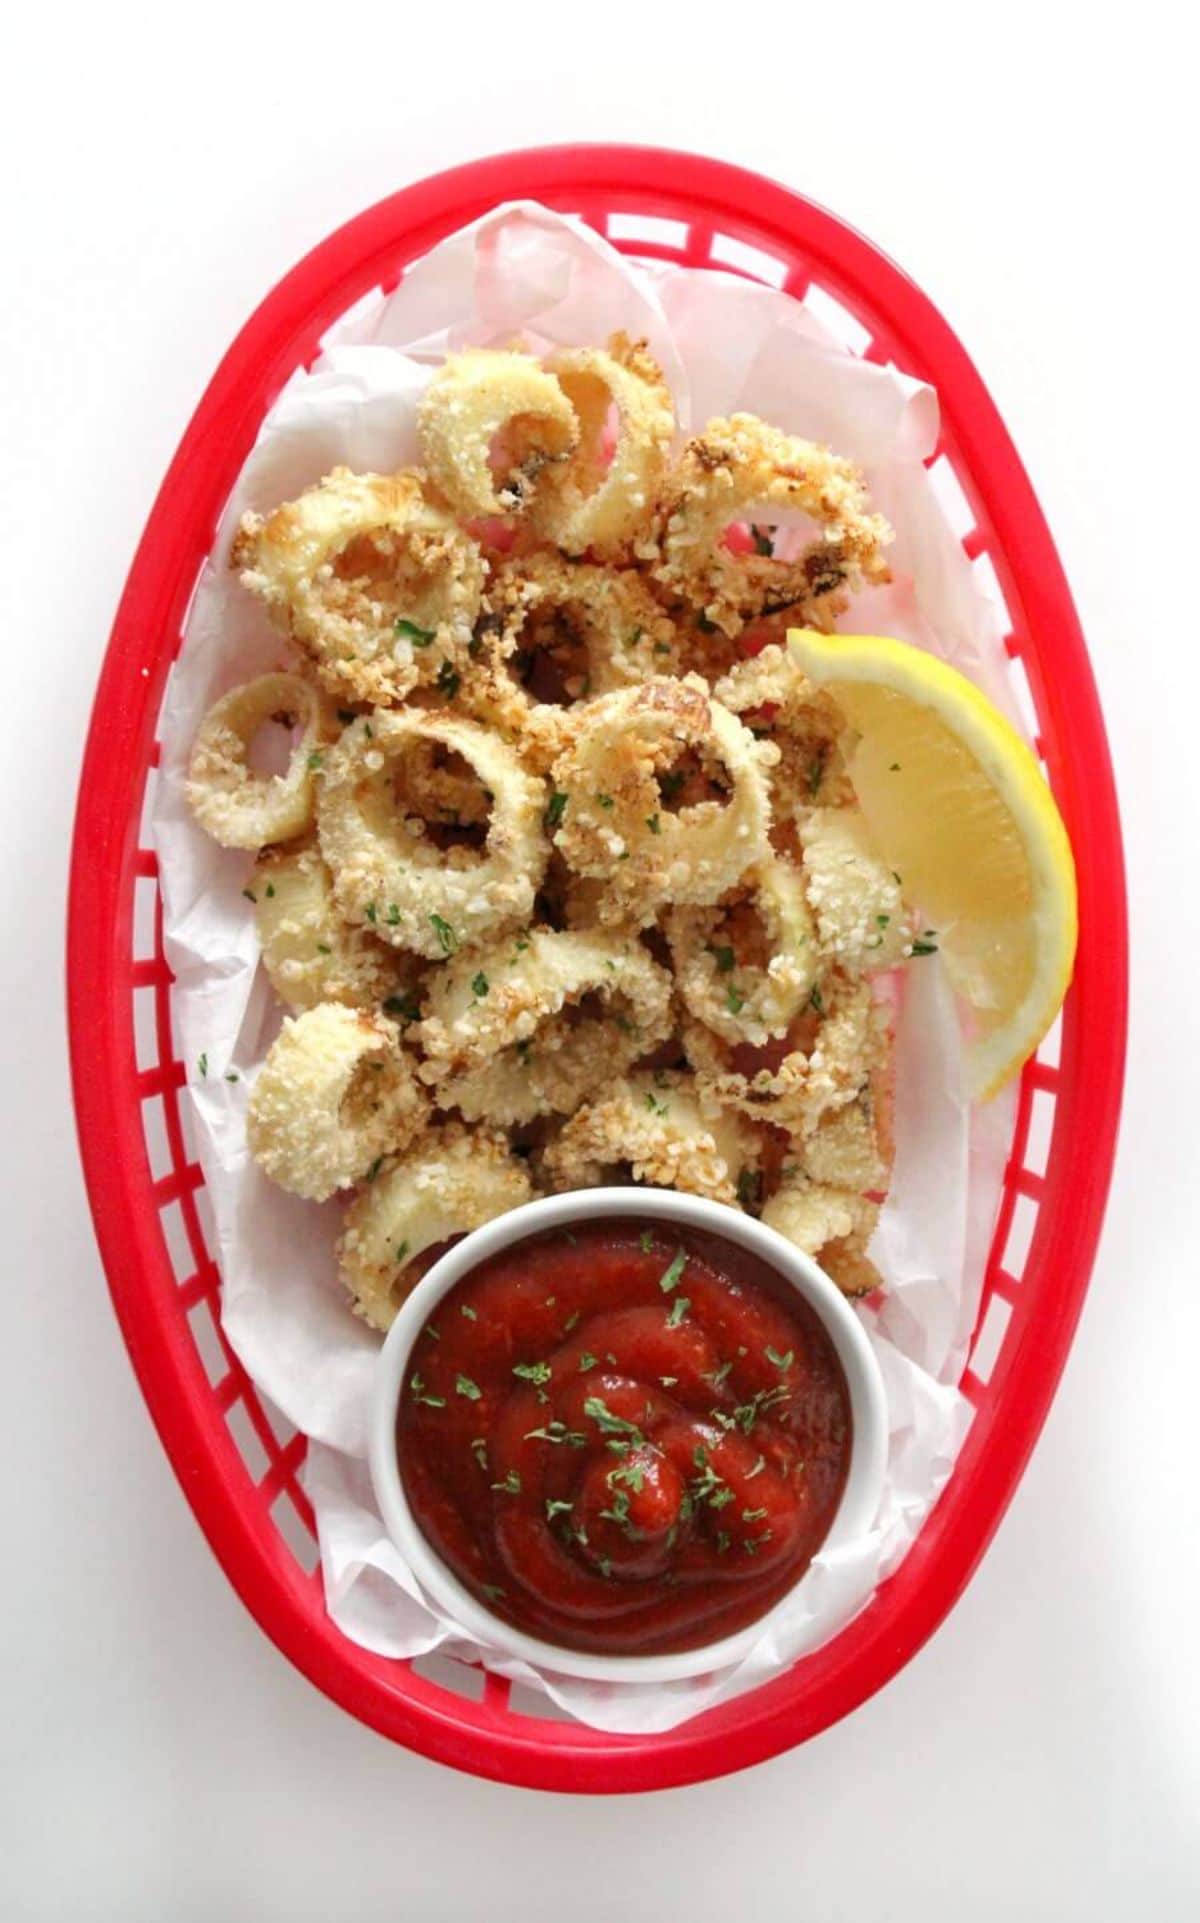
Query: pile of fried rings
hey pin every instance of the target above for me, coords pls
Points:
(564, 881)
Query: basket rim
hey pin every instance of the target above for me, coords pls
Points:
(281, 333)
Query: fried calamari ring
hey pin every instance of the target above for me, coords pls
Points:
(654, 1123)
(378, 585)
(449, 1183)
(388, 871)
(554, 633)
(596, 502)
(616, 793)
(746, 966)
(773, 695)
(742, 470)
(850, 1147)
(861, 921)
(825, 1062)
(535, 1025)
(830, 1224)
(310, 954)
(336, 1092)
(490, 421)
(237, 807)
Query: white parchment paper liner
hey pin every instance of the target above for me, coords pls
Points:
(725, 344)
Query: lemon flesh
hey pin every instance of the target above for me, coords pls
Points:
(960, 810)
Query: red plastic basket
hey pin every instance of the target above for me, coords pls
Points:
(237, 1461)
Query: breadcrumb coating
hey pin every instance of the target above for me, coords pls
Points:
(742, 470)
(601, 500)
(491, 421)
(391, 875)
(376, 582)
(535, 1025)
(654, 1123)
(336, 1092)
(310, 954)
(242, 809)
(450, 1182)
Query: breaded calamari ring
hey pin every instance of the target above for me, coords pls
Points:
(376, 583)
(612, 812)
(861, 921)
(771, 692)
(237, 807)
(310, 954)
(535, 1025)
(832, 1225)
(597, 501)
(389, 873)
(654, 1123)
(741, 469)
(453, 1180)
(490, 422)
(554, 633)
(336, 1092)
(849, 1148)
(746, 966)
(825, 1062)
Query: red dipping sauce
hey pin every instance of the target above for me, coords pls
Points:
(624, 1439)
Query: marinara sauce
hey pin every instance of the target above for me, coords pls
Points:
(623, 1439)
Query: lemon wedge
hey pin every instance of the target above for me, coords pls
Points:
(960, 811)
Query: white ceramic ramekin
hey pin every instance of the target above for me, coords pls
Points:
(864, 1483)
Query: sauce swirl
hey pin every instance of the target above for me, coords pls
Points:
(624, 1439)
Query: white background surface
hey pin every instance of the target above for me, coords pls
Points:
(1041, 1758)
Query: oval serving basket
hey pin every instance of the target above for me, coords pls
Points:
(238, 1464)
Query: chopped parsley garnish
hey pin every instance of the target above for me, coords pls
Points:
(705, 625)
(668, 1381)
(814, 999)
(606, 801)
(393, 915)
(652, 823)
(753, 1515)
(718, 1376)
(557, 1432)
(231, 1075)
(375, 1167)
(588, 1361)
(270, 891)
(895, 768)
(556, 808)
(779, 1361)
(447, 939)
(511, 1485)
(493, 1590)
(314, 760)
(631, 1474)
(816, 772)
(654, 1105)
(554, 1508)
(420, 637)
(323, 948)
(429, 1330)
(479, 986)
(464, 1308)
(724, 960)
(733, 1001)
(465, 1387)
(538, 1372)
(723, 1541)
(417, 1389)
(757, 1470)
(646, 1240)
(570, 1322)
(479, 1451)
(763, 544)
(202, 1064)
(448, 680)
(881, 921)
(670, 1277)
(402, 1008)
(372, 913)
(250, 894)
(670, 783)
(401, 1252)
(924, 946)
(749, 1187)
(607, 1422)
